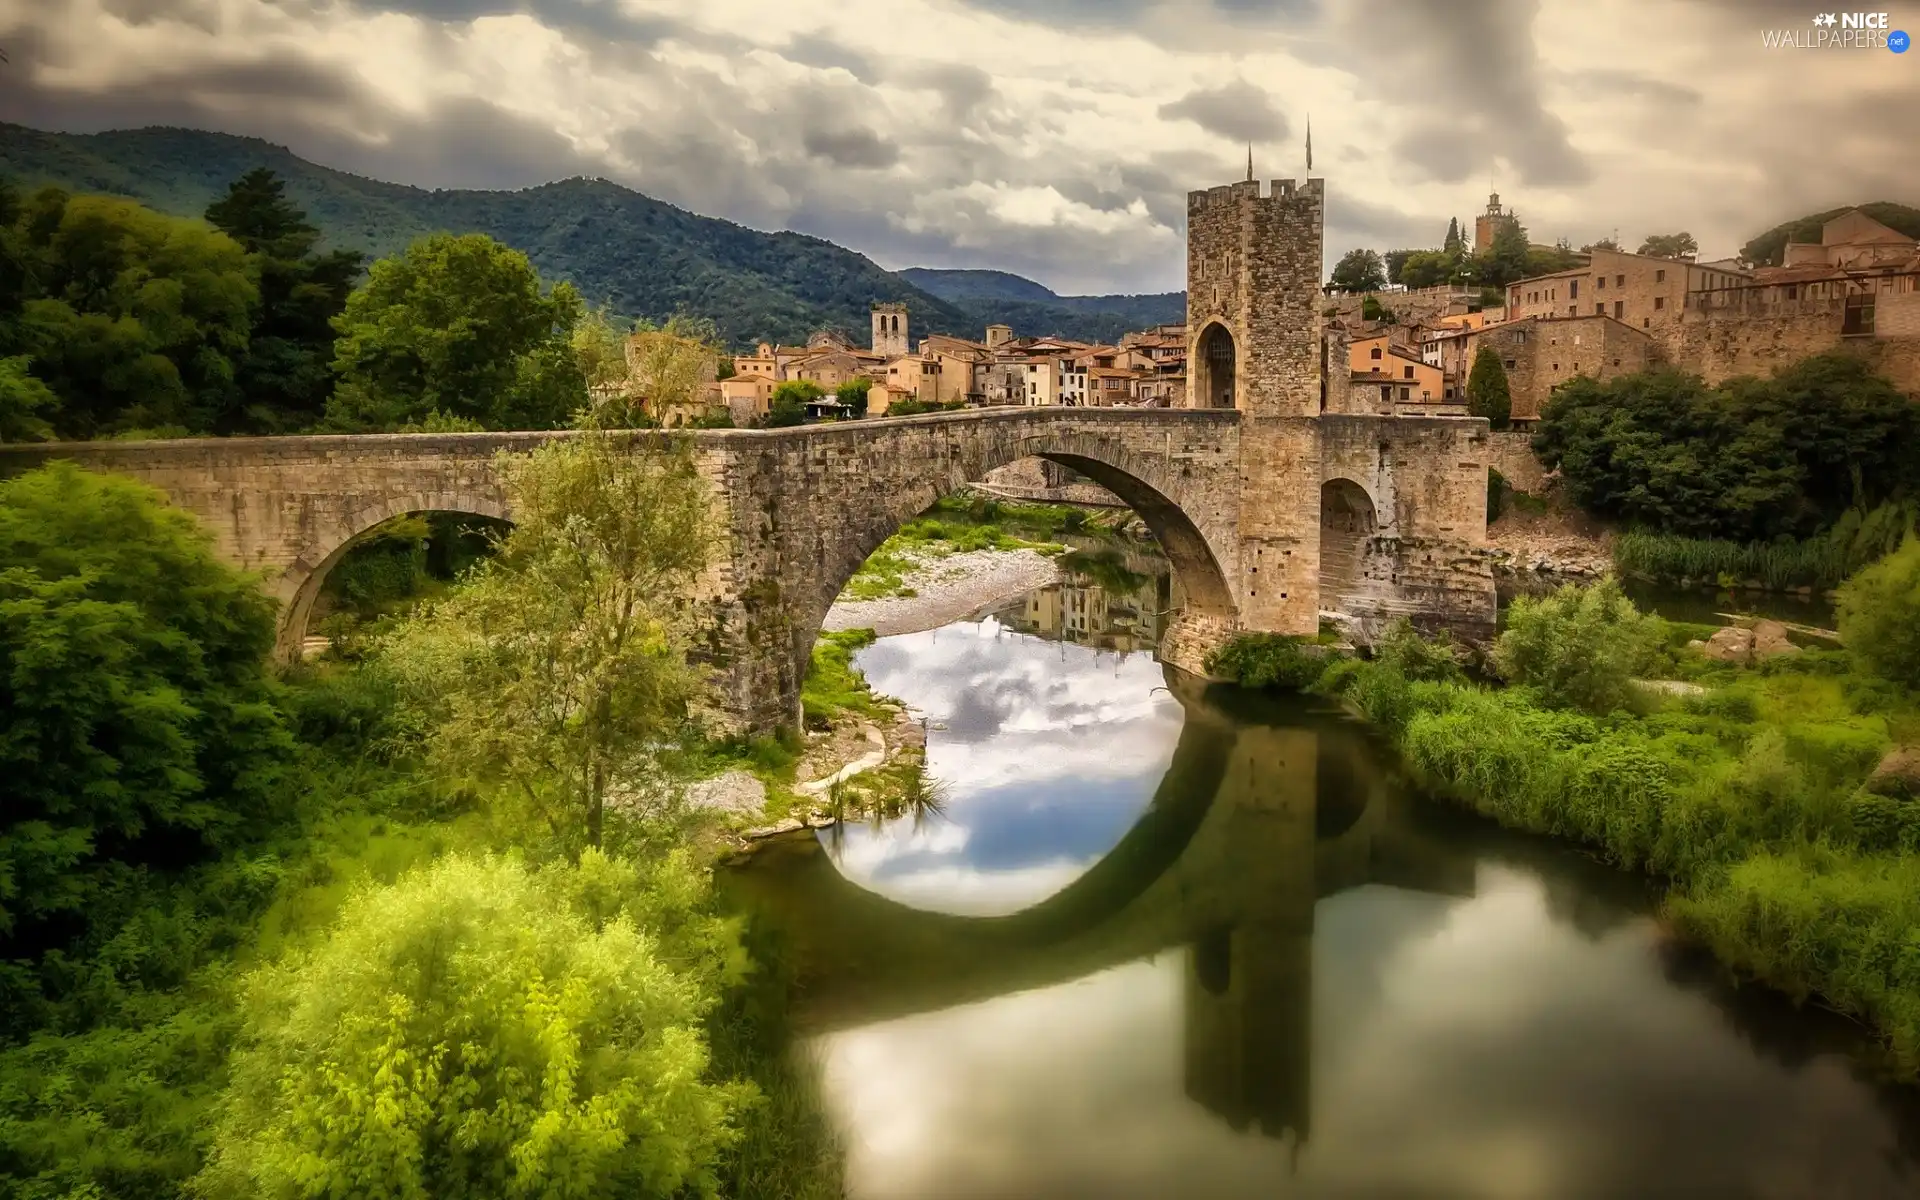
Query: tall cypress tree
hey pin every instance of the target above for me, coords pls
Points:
(1453, 242)
(287, 372)
(1487, 392)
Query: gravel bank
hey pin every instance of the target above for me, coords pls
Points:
(950, 589)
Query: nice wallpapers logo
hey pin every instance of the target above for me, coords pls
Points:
(1840, 31)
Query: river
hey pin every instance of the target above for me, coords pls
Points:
(1171, 940)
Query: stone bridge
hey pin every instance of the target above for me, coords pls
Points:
(1268, 520)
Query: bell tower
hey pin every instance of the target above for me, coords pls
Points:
(890, 335)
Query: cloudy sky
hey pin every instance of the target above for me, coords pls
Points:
(1056, 138)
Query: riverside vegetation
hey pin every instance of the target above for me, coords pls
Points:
(436, 922)
(1796, 481)
(1768, 798)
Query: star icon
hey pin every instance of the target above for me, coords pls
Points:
(1825, 19)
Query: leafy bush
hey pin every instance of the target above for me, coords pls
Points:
(1880, 617)
(1268, 660)
(1402, 649)
(481, 1030)
(1579, 647)
(834, 685)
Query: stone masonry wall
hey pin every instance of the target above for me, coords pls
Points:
(1510, 452)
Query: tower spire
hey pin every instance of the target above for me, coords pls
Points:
(1249, 162)
(1309, 143)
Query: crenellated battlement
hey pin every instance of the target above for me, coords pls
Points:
(1256, 191)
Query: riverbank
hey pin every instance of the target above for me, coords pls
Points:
(1760, 791)
(940, 591)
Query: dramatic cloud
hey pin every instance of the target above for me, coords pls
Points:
(1054, 138)
(1239, 112)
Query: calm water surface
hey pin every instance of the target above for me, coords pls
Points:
(1175, 941)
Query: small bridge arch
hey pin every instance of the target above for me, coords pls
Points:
(299, 586)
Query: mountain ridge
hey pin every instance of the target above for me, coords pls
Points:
(638, 255)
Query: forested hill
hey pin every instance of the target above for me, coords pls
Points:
(1766, 250)
(1026, 305)
(638, 255)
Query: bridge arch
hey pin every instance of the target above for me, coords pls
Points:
(1146, 483)
(1348, 521)
(299, 585)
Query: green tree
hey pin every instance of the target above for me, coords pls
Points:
(286, 373)
(1580, 647)
(1358, 271)
(1430, 268)
(1605, 243)
(787, 406)
(1505, 261)
(853, 394)
(665, 368)
(1395, 260)
(1487, 392)
(134, 320)
(25, 403)
(1748, 460)
(481, 1030)
(551, 676)
(1879, 613)
(460, 325)
(1670, 245)
(1454, 243)
(140, 730)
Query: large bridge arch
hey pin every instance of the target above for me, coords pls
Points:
(1143, 482)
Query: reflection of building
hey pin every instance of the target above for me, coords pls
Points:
(1128, 611)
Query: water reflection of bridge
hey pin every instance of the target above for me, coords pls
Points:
(1260, 815)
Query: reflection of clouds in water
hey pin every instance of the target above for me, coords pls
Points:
(1476, 1047)
(1049, 754)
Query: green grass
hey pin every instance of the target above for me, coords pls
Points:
(1820, 562)
(834, 686)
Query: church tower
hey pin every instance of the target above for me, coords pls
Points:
(890, 338)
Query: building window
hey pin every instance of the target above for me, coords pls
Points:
(1659, 302)
(1660, 276)
(1556, 366)
(1375, 353)
(1573, 289)
(1408, 374)
(1386, 393)
(1405, 393)
(1572, 310)
(1645, 322)
(1510, 364)
(1619, 281)
(1602, 284)
(1790, 291)
(1619, 309)
(1600, 308)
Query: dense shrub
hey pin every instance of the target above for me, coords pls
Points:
(140, 730)
(1579, 647)
(1880, 617)
(1269, 660)
(1747, 461)
(481, 1030)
